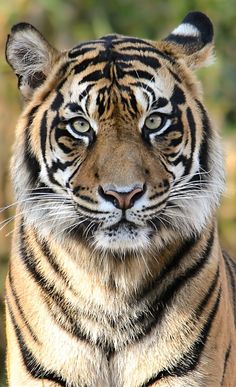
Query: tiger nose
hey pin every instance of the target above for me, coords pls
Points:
(122, 200)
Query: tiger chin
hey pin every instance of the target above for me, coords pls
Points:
(117, 278)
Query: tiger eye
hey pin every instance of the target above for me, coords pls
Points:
(80, 125)
(153, 122)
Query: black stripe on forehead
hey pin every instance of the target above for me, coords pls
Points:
(74, 107)
(114, 48)
(116, 61)
(84, 47)
(160, 102)
(178, 97)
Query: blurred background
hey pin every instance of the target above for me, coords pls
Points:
(65, 23)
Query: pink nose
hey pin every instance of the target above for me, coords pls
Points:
(123, 200)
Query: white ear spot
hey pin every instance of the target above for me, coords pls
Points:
(186, 29)
(193, 40)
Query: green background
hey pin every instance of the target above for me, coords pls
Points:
(65, 23)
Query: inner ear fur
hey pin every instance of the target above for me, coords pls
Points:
(30, 56)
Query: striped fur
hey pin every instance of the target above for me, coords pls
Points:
(117, 278)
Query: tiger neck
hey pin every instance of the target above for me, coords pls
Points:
(115, 297)
(88, 272)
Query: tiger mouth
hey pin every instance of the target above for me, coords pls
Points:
(123, 224)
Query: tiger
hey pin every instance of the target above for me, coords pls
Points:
(116, 276)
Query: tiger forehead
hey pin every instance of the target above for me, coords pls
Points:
(117, 70)
(118, 56)
(112, 47)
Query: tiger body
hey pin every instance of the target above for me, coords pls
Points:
(117, 278)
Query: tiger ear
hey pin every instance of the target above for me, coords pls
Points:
(193, 39)
(30, 56)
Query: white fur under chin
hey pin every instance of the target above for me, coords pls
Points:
(123, 240)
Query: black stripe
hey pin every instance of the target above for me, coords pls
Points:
(77, 51)
(227, 353)
(160, 102)
(146, 48)
(31, 265)
(208, 295)
(177, 128)
(59, 165)
(69, 149)
(86, 198)
(191, 42)
(121, 59)
(172, 265)
(181, 159)
(57, 102)
(74, 107)
(70, 180)
(231, 260)
(19, 307)
(177, 78)
(89, 211)
(30, 159)
(89, 43)
(61, 73)
(80, 67)
(206, 136)
(155, 311)
(174, 143)
(51, 259)
(231, 278)
(34, 368)
(146, 60)
(190, 272)
(191, 358)
(127, 39)
(170, 173)
(192, 128)
(66, 309)
(178, 97)
(94, 76)
(141, 74)
(30, 262)
(141, 48)
(162, 54)
(155, 206)
(133, 103)
(143, 321)
(160, 193)
(158, 307)
(43, 135)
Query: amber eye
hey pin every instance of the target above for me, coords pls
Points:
(153, 122)
(80, 125)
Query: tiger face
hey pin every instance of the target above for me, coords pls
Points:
(114, 148)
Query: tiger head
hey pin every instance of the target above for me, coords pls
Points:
(114, 148)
